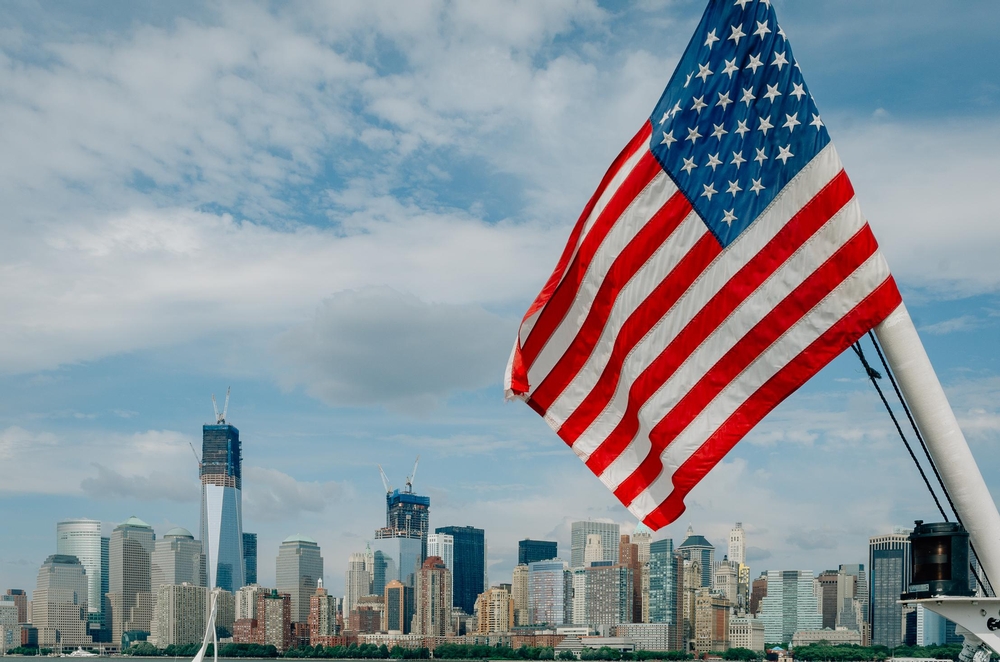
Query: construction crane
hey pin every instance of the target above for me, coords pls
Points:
(220, 419)
(385, 479)
(196, 458)
(412, 476)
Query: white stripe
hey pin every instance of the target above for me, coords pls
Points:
(796, 194)
(632, 220)
(810, 256)
(616, 181)
(828, 312)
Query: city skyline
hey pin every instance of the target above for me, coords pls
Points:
(350, 247)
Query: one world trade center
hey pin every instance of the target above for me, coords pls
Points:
(222, 504)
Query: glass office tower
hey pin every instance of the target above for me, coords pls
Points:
(469, 573)
(222, 506)
(82, 538)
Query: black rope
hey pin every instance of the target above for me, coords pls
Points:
(874, 375)
(927, 454)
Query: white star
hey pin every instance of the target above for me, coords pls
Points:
(665, 117)
(742, 3)
(791, 121)
(784, 153)
(698, 103)
(676, 109)
(757, 186)
(781, 33)
(748, 95)
(688, 165)
(709, 191)
(755, 62)
(719, 131)
(703, 72)
(762, 29)
(713, 161)
(772, 93)
(797, 91)
(668, 139)
(742, 127)
(738, 160)
(765, 124)
(724, 100)
(779, 60)
(711, 39)
(817, 122)
(730, 68)
(688, 81)
(734, 188)
(693, 135)
(761, 156)
(737, 34)
(729, 217)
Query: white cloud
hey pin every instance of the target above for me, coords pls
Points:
(273, 496)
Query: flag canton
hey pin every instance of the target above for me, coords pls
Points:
(736, 122)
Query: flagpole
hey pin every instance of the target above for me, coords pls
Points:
(945, 442)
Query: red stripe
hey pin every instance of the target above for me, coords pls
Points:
(748, 349)
(786, 241)
(867, 314)
(519, 378)
(638, 251)
(555, 310)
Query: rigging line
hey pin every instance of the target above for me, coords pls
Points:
(930, 460)
(874, 375)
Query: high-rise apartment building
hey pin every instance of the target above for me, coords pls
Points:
(578, 598)
(130, 600)
(399, 607)
(357, 581)
(246, 602)
(791, 604)
(249, 558)
(547, 592)
(177, 558)
(298, 571)
(737, 545)
(179, 615)
(628, 557)
(496, 611)
(643, 538)
(610, 534)
(519, 594)
(59, 604)
(889, 574)
(82, 538)
(10, 629)
(432, 616)
(529, 551)
(662, 583)
(274, 620)
(758, 592)
(222, 505)
(609, 594)
(711, 622)
(322, 615)
(469, 572)
(697, 548)
(19, 597)
(593, 551)
(442, 545)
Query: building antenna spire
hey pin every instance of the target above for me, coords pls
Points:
(220, 419)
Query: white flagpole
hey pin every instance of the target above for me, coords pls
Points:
(960, 474)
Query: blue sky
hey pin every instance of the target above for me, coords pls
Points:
(341, 210)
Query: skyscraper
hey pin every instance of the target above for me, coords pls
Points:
(496, 611)
(407, 515)
(609, 532)
(433, 607)
(547, 592)
(298, 570)
(249, 558)
(697, 548)
(357, 581)
(889, 572)
(20, 599)
(628, 557)
(791, 604)
(609, 594)
(322, 615)
(59, 605)
(443, 545)
(519, 594)
(662, 583)
(469, 572)
(179, 616)
(399, 606)
(737, 545)
(593, 551)
(177, 558)
(395, 558)
(82, 538)
(529, 551)
(129, 598)
(222, 504)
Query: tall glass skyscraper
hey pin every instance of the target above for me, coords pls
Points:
(791, 604)
(697, 548)
(889, 568)
(249, 558)
(662, 583)
(529, 551)
(298, 571)
(469, 573)
(407, 515)
(610, 535)
(222, 505)
(547, 592)
(82, 538)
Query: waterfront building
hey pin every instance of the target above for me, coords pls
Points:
(578, 601)
(495, 611)
(10, 629)
(246, 602)
(20, 599)
(645, 636)
(249, 558)
(547, 592)
(829, 607)
(396, 558)
(298, 571)
(225, 611)
(222, 505)
(179, 615)
(791, 604)
(322, 615)
(433, 604)
(889, 572)
(519, 594)
(82, 538)
(59, 606)
(443, 545)
(366, 617)
(854, 606)
(177, 559)
(357, 581)
(662, 583)
(469, 571)
(399, 608)
(711, 622)
(274, 620)
(746, 632)
(833, 637)
(610, 534)
(697, 548)
(529, 551)
(130, 600)
(610, 591)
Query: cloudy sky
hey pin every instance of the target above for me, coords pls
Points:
(342, 209)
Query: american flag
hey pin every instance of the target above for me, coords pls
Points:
(721, 263)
